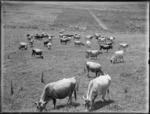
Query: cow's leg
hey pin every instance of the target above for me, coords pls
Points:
(103, 96)
(54, 102)
(87, 71)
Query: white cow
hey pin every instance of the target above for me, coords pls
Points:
(97, 87)
(58, 90)
(89, 37)
(93, 67)
(49, 45)
(123, 46)
(88, 44)
(92, 53)
(23, 45)
(118, 55)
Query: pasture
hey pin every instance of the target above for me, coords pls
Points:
(127, 22)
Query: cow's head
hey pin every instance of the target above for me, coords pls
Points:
(40, 105)
(87, 103)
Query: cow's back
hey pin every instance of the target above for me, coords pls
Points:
(61, 88)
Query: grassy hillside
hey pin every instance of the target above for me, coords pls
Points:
(128, 90)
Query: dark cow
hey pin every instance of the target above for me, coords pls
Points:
(46, 42)
(37, 52)
(106, 47)
(58, 90)
(64, 40)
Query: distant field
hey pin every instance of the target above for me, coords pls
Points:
(126, 21)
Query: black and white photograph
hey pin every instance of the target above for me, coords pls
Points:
(75, 56)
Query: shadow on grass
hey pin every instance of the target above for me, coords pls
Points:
(66, 105)
(99, 104)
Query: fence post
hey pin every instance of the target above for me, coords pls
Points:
(12, 90)
(42, 80)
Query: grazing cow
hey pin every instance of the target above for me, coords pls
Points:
(46, 42)
(50, 38)
(49, 45)
(93, 67)
(23, 45)
(92, 53)
(88, 44)
(31, 42)
(38, 37)
(123, 46)
(37, 52)
(64, 40)
(58, 90)
(115, 58)
(78, 43)
(101, 40)
(96, 35)
(89, 37)
(28, 37)
(97, 87)
(121, 52)
(105, 47)
(77, 37)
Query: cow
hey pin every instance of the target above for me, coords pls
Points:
(50, 38)
(123, 46)
(31, 42)
(101, 40)
(117, 55)
(89, 37)
(49, 45)
(28, 37)
(23, 45)
(92, 53)
(77, 37)
(38, 37)
(93, 67)
(115, 58)
(106, 47)
(88, 44)
(97, 87)
(64, 40)
(96, 35)
(36, 51)
(58, 90)
(46, 42)
(78, 43)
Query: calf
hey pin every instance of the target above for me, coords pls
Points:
(57, 90)
(97, 87)
(93, 67)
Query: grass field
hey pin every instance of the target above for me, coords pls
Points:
(126, 21)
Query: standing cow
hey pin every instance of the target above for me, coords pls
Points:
(93, 67)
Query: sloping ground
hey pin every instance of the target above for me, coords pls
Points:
(76, 17)
(124, 21)
(129, 79)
